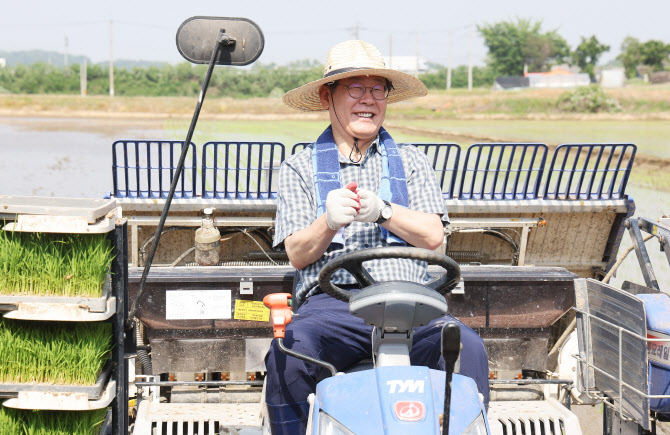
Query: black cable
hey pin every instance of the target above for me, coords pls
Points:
(358, 151)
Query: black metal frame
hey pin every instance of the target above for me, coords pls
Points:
(661, 232)
(119, 239)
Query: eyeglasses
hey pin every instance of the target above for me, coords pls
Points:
(357, 90)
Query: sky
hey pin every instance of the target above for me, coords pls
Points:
(296, 30)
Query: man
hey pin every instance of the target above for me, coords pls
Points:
(353, 189)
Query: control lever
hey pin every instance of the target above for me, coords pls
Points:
(281, 315)
(280, 311)
(451, 348)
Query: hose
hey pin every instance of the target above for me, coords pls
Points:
(142, 354)
(622, 258)
(182, 256)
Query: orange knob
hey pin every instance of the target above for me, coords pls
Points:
(280, 311)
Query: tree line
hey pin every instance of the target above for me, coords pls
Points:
(513, 48)
(183, 79)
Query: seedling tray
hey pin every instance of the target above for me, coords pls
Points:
(67, 401)
(91, 392)
(90, 209)
(60, 308)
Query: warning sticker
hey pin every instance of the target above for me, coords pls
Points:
(251, 310)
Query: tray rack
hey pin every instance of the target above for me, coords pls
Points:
(612, 364)
(76, 216)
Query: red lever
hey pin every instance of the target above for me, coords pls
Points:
(353, 186)
(280, 311)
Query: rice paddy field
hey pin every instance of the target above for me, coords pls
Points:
(53, 265)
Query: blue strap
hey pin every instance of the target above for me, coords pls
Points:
(393, 185)
(326, 166)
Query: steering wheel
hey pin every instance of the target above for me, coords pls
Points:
(352, 262)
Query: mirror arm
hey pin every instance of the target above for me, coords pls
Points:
(222, 39)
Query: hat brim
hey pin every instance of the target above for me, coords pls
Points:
(405, 86)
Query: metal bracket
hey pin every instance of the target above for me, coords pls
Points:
(246, 286)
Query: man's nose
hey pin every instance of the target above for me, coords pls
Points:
(367, 96)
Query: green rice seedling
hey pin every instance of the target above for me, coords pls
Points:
(56, 353)
(10, 422)
(23, 422)
(53, 264)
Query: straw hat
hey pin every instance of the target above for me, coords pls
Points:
(350, 59)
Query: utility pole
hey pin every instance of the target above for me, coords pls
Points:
(355, 30)
(391, 51)
(65, 54)
(111, 59)
(470, 59)
(451, 50)
(417, 52)
(82, 78)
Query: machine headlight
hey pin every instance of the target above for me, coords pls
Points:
(477, 427)
(329, 426)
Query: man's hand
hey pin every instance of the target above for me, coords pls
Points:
(371, 206)
(342, 206)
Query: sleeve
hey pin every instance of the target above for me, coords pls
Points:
(296, 209)
(423, 188)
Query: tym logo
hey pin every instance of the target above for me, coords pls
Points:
(409, 385)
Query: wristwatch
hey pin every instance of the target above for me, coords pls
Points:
(385, 213)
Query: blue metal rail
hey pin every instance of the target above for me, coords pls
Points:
(589, 171)
(444, 158)
(502, 171)
(241, 170)
(146, 168)
(507, 171)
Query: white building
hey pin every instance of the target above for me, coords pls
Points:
(612, 77)
(3, 62)
(407, 64)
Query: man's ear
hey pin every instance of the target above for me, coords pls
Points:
(324, 96)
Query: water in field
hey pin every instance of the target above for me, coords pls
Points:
(61, 157)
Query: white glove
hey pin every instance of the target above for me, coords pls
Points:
(371, 206)
(341, 208)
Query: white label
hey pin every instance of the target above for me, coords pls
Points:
(197, 304)
(409, 385)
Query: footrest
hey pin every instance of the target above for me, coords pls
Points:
(532, 416)
(194, 418)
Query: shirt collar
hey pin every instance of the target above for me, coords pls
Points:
(373, 148)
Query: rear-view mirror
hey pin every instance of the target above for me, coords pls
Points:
(197, 37)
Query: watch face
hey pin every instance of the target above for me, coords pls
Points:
(387, 212)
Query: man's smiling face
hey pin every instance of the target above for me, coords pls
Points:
(351, 117)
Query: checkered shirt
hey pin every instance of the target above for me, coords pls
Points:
(297, 208)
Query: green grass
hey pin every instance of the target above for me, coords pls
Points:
(57, 353)
(53, 265)
(26, 422)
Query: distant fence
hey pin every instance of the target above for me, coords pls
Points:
(500, 171)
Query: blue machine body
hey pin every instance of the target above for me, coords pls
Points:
(657, 308)
(397, 400)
